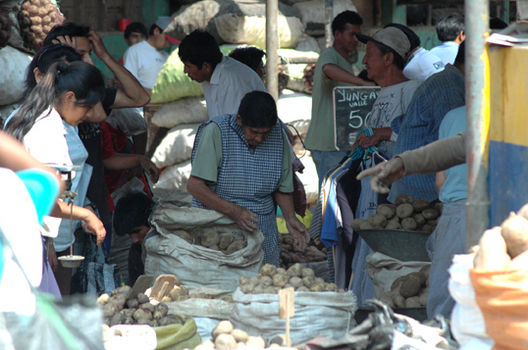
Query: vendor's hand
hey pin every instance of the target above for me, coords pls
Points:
(94, 226)
(72, 42)
(384, 174)
(369, 141)
(246, 219)
(299, 233)
(52, 255)
(151, 169)
(97, 44)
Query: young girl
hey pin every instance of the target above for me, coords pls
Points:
(63, 97)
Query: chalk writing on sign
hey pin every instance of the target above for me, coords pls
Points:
(352, 106)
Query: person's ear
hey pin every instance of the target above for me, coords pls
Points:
(37, 74)
(68, 98)
(388, 59)
(239, 120)
(206, 67)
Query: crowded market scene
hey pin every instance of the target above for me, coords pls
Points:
(254, 174)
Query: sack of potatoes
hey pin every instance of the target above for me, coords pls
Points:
(213, 238)
(405, 214)
(409, 291)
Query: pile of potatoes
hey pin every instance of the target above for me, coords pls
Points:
(271, 279)
(36, 19)
(210, 238)
(506, 246)
(226, 337)
(289, 256)
(409, 291)
(123, 308)
(405, 214)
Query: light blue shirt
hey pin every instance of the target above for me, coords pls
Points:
(446, 51)
(455, 185)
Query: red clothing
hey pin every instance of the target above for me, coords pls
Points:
(114, 141)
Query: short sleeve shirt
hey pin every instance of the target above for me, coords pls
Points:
(208, 158)
(145, 62)
(320, 136)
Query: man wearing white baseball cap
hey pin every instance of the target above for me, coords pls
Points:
(145, 59)
(384, 61)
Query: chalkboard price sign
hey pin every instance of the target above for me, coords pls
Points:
(352, 106)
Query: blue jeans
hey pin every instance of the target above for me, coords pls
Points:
(326, 160)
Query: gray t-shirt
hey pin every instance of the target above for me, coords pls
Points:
(392, 101)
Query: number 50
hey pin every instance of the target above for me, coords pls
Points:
(355, 121)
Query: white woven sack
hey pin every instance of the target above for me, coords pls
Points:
(191, 110)
(12, 74)
(314, 11)
(467, 322)
(174, 177)
(176, 146)
(196, 265)
(325, 314)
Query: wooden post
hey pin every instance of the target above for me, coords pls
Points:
(287, 309)
(272, 47)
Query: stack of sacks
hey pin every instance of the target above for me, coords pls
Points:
(173, 154)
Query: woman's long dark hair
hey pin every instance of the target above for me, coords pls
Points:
(83, 79)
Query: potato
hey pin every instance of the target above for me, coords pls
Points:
(433, 222)
(515, 233)
(365, 225)
(423, 296)
(411, 286)
(225, 241)
(247, 288)
(142, 298)
(223, 327)
(125, 290)
(520, 261)
(206, 345)
(109, 310)
(225, 342)
(259, 289)
(132, 303)
(161, 310)
(331, 287)
(387, 210)
(115, 319)
(308, 281)
(141, 314)
(317, 287)
(425, 270)
(439, 206)
(427, 228)
(184, 235)
(266, 281)
(209, 237)
(294, 270)
(403, 198)
(235, 246)
(377, 220)
(281, 271)
(408, 224)
(147, 307)
(420, 204)
(398, 301)
(103, 299)
(255, 342)
(356, 224)
(296, 282)
(492, 253)
(404, 210)
(393, 225)
(303, 289)
(243, 280)
(280, 280)
(413, 302)
(268, 270)
(430, 214)
(239, 335)
(420, 220)
(307, 272)
(169, 319)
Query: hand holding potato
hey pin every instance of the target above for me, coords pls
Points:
(384, 174)
(299, 233)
